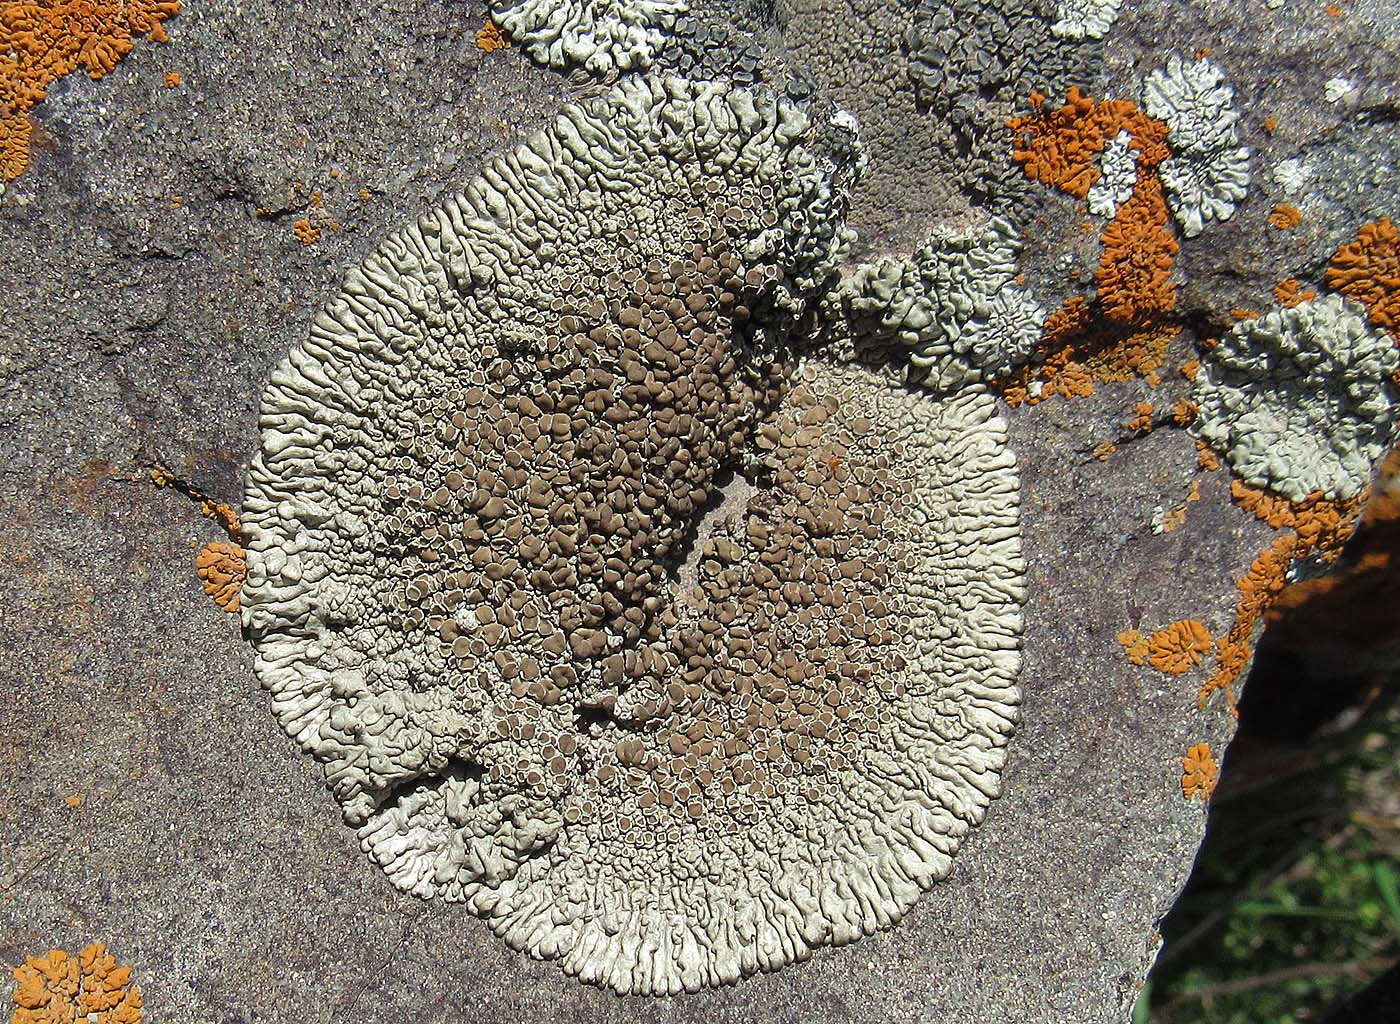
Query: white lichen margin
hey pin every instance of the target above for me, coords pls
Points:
(1300, 399)
(1085, 19)
(1208, 172)
(601, 36)
(1117, 177)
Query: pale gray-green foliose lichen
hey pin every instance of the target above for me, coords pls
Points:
(601, 36)
(955, 309)
(975, 62)
(473, 513)
(1300, 399)
(1208, 171)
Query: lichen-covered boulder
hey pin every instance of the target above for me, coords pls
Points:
(663, 748)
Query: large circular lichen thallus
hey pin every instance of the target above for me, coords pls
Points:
(478, 599)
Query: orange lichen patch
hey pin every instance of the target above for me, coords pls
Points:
(1077, 351)
(15, 131)
(1199, 772)
(1135, 269)
(1244, 313)
(1142, 417)
(172, 79)
(1258, 587)
(1290, 293)
(1060, 147)
(1173, 519)
(1322, 525)
(1357, 605)
(62, 989)
(43, 40)
(1333, 10)
(73, 801)
(223, 514)
(222, 568)
(1104, 449)
(1270, 125)
(306, 232)
(1285, 216)
(491, 38)
(1179, 647)
(1135, 644)
(1194, 493)
(1368, 270)
(1185, 411)
(1190, 368)
(1205, 457)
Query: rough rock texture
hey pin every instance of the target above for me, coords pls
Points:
(159, 282)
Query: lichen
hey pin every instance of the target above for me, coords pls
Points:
(42, 42)
(62, 989)
(491, 38)
(1179, 647)
(956, 306)
(220, 566)
(1208, 172)
(1367, 270)
(665, 752)
(1300, 400)
(1085, 19)
(1199, 773)
(600, 36)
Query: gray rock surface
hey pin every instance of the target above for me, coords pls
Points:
(134, 330)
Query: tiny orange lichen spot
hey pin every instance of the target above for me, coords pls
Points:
(73, 801)
(1291, 292)
(491, 38)
(1190, 368)
(1135, 644)
(1194, 493)
(1104, 449)
(1179, 647)
(42, 42)
(1368, 270)
(306, 232)
(1241, 313)
(172, 79)
(364, 195)
(1173, 518)
(1202, 53)
(1270, 125)
(1206, 457)
(60, 989)
(1142, 418)
(1285, 216)
(1184, 412)
(1199, 772)
(176, 202)
(1333, 10)
(222, 568)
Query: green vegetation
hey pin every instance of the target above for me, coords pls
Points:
(1295, 900)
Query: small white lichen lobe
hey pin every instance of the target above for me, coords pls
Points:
(1300, 399)
(1208, 173)
(479, 478)
(597, 35)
